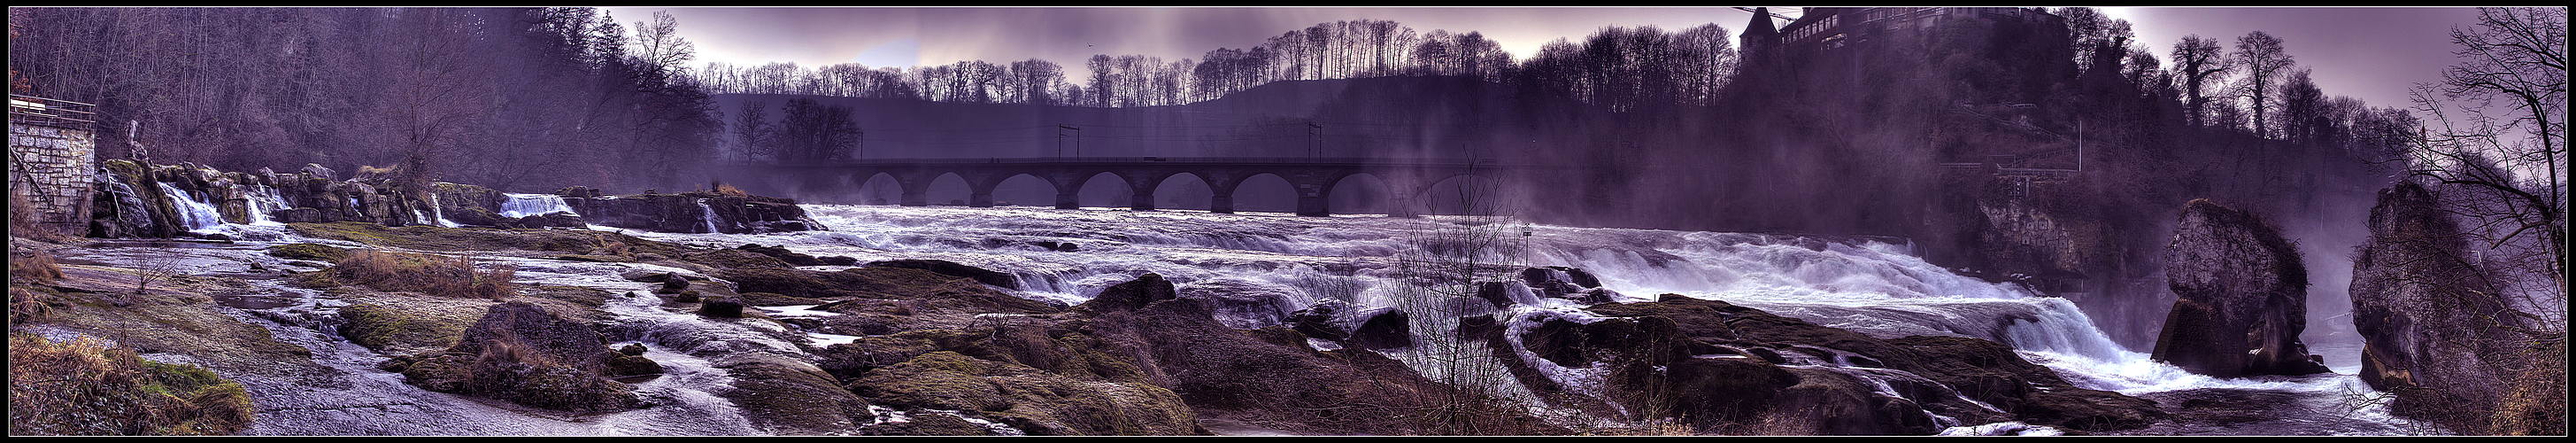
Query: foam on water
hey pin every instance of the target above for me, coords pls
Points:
(1877, 287)
(523, 205)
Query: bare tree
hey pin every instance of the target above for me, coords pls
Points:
(2264, 61)
(1439, 273)
(2197, 59)
(661, 45)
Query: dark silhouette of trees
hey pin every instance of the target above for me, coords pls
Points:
(753, 131)
(811, 131)
(525, 99)
(2197, 60)
(2265, 61)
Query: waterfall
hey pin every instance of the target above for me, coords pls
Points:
(708, 214)
(264, 200)
(523, 205)
(195, 214)
(438, 212)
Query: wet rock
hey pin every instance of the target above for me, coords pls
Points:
(1145, 289)
(631, 349)
(632, 365)
(782, 254)
(944, 267)
(1243, 304)
(692, 212)
(720, 307)
(526, 354)
(547, 220)
(1367, 328)
(316, 170)
(2241, 297)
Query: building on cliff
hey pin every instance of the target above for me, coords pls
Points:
(1828, 29)
(53, 157)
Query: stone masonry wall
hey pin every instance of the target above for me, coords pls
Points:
(52, 168)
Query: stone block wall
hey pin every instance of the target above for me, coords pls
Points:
(52, 167)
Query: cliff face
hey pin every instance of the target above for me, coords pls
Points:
(188, 200)
(2436, 334)
(2241, 297)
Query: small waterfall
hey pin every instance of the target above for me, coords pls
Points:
(523, 205)
(438, 212)
(263, 201)
(197, 215)
(708, 213)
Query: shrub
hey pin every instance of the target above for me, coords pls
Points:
(85, 387)
(451, 276)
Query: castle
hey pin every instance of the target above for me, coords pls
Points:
(1826, 29)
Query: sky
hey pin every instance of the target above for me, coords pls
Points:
(2370, 53)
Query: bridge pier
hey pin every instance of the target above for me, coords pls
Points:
(916, 197)
(1068, 200)
(1142, 200)
(1221, 204)
(980, 199)
(1403, 207)
(1309, 205)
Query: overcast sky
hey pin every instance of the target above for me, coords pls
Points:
(2368, 53)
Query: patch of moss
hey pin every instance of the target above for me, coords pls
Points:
(381, 327)
(309, 251)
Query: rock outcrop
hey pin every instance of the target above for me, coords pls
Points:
(2435, 333)
(695, 212)
(2241, 297)
(1735, 369)
(178, 199)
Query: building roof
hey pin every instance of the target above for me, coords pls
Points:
(1761, 23)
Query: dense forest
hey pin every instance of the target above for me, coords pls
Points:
(529, 99)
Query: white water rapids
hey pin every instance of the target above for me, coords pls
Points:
(1067, 256)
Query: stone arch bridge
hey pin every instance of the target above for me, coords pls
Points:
(1313, 178)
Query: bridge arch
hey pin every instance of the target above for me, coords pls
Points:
(1021, 188)
(1070, 195)
(1228, 190)
(878, 187)
(1360, 191)
(1182, 189)
(1461, 193)
(947, 188)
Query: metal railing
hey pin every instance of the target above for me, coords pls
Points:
(32, 110)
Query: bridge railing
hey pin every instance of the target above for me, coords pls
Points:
(33, 110)
(1135, 160)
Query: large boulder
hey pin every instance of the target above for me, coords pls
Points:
(2436, 333)
(1366, 328)
(2241, 297)
(526, 354)
(1145, 289)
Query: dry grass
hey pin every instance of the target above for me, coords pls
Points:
(33, 266)
(726, 189)
(85, 387)
(446, 276)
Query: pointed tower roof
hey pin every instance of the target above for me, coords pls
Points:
(1761, 23)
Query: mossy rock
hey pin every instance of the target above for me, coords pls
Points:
(576, 242)
(629, 365)
(309, 251)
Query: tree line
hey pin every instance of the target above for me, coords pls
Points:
(1620, 65)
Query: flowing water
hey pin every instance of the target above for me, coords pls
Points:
(1067, 256)
(523, 205)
